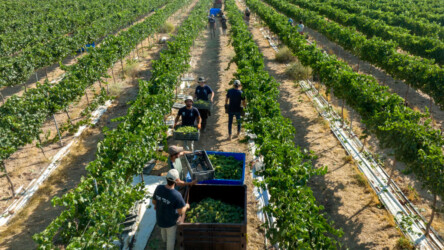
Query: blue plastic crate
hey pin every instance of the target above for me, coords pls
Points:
(237, 156)
(214, 11)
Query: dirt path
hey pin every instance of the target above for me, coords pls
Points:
(210, 58)
(347, 201)
(29, 162)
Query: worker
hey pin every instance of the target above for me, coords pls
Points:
(235, 101)
(223, 22)
(201, 93)
(247, 15)
(301, 27)
(175, 162)
(190, 115)
(169, 205)
(212, 25)
(290, 21)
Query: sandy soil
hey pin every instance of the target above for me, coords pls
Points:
(210, 58)
(352, 206)
(29, 161)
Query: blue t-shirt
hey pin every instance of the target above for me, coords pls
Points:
(168, 201)
(188, 115)
(235, 96)
(203, 92)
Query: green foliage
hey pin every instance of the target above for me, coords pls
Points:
(297, 71)
(93, 217)
(419, 73)
(47, 33)
(284, 55)
(214, 211)
(201, 102)
(404, 244)
(299, 222)
(424, 46)
(226, 167)
(21, 118)
(167, 27)
(396, 126)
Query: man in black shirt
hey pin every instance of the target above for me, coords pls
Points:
(201, 93)
(189, 114)
(236, 100)
(169, 204)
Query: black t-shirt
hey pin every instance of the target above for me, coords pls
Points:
(224, 22)
(188, 115)
(212, 21)
(168, 201)
(203, 92)
(235, 96)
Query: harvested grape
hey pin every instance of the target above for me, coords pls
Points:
(187, 129)
(226, 167)
(209, 210)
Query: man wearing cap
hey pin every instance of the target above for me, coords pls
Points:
(236, 102)
(169, 204)
(174, 162)
(201, 93)
(189, 114)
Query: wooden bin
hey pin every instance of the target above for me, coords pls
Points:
(214, 235)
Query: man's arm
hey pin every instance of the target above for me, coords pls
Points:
(199, 120)
(181, 183)
(212, 96)
(176, 120)
(244, 103)
(183, 210)
(154, 203)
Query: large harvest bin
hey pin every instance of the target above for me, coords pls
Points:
(186, 136)
(199, 166)
(237, 156)
(214, 235)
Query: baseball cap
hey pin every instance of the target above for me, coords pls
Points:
(172, 150)
(237, 83)
(201, 79)
(172, 175)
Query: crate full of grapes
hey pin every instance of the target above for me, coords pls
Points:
(229, 168)
(217, 218)
(186, 133)
(201, 104)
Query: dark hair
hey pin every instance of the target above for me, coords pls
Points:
(170, 183)
(300, 21)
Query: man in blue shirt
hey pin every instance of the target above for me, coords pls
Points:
(236, 102)
(189, 114)
(201, 93)
(169, 204)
